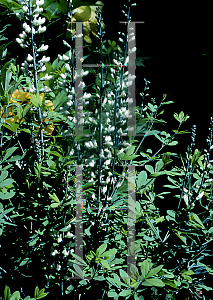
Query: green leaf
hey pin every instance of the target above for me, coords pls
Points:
(6, 182)
(62, 5)
(15, 296)
(183, 238)
(24, 261)
(149, 168)
(110, 252)
(7, 293)
(36, 100)
(124, 276)
(159, 165)
(155, 282)
(54, 197)
(9, 152)
(55, 153)
(112, 294)
(142, 179)
(15, 158)
(4, 175)
(145, 267)
(125, 293)
(7, 195)
(54, 205)
(154, 271)
(105, 264)
(101, 249)
(195, 218)
(173, 143)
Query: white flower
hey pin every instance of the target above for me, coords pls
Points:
(186, 199)
(200, 195)
(67, 67)
(132, 50)
(39, 21)
(101, 155)
(63, 76)
(26, 28)
(41, 29)
(39, 3)
(87, 96)
(44, 59)
(92, 163)
(131, 77)
(23, 35)
(19, 41)
(59, 239)
(29, 58)
(59, 267)
(42, 69)
(104, 189)
(43, 48)
(69, 235)
(65, 252)
(46, 77)
(54, 252)
(25, 8)
(107, 162)
(38, 10)
(65, 58)
(66, 44)
(45, 90)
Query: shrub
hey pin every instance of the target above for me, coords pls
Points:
(49, 160)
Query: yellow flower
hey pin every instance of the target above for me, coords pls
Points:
(87, 15)
(24, 98)
(8, 111)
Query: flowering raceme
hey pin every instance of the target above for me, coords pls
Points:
(23, 98)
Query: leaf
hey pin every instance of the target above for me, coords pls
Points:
(101, 249)
(4, 174)
(149, 168)
(170, 283)
(14, 158)
(124, 275)
(183, 238)
(55, 153)
(6, 182)
(155, 282)
(154, 271)
(159, 165)
(110, 252)
(7, 195)
(54, 205)
(142, 179)
(9, 153)
(195, 218)
(24, 261)
(125, 293)
(36, 100)
(15, 296)
(112, 294)
(145, 267)
(54, 197)
(105, 264)
(7, 293)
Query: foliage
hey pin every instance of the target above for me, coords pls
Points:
(48, 163)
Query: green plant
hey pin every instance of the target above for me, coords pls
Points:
(41, 117)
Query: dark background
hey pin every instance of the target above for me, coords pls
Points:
(178, 38)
